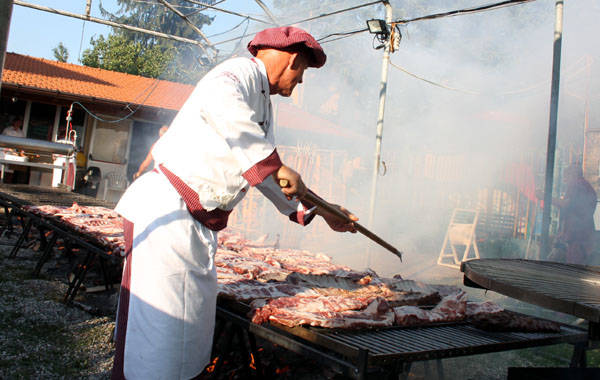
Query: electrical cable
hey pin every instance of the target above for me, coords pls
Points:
(464, 11)
(343, 34)
(569, 73)
(229, 30)
(310, 19)
(226, 11)
(335, 39)
(150, 89)
(336, 12)
(154, 85)
(432, 82)
(237, 46)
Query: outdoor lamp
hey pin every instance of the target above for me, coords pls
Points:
(377, 26)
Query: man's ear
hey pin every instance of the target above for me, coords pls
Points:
(295, 59)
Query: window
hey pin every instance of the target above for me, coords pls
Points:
(110, 142)
(41, 121)
(11, 107)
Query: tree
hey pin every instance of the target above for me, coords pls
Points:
(61, 53)
(117, 53)
(147, 55)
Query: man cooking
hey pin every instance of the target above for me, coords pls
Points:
(219, 144)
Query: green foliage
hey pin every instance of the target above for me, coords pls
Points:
(61, 53)
(117, 53)
(147, 55)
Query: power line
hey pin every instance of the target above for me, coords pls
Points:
(457, 12)
(335, 39)
(569, 73)
(229, 30)
(460, 12)
(336, 12)
(346, 34)
(267, 11)
(237, 46)
(107, 22)
(226, 11)
(432, 82)
(189, 22)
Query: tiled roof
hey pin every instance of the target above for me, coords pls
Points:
(67, 78)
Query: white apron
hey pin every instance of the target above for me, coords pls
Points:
(173, 285)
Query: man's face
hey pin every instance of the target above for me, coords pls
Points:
(292, 75)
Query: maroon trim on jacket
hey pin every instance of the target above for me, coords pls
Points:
(123, 312)
(214, 220)
(300, 217)
(263, 169)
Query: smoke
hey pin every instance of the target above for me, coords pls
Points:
(442, 143)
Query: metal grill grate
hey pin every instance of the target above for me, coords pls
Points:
(34, 195)
(568, 288)
(421, 343)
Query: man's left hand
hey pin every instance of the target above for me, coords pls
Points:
(336, 223)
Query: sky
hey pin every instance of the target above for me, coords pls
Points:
(36, 33)
(488, 106)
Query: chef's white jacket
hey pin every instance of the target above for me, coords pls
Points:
(219, 144)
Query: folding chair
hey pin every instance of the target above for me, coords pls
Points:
(461, 232)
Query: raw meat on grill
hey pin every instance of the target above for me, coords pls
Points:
(244, 264)
(487, 307)
(413, 315)
(100, 224)
(247, 290)
(227, 275)
(346, 279)
(410, 292)
(325, 311)
(507, 320)
(492, 317)
(451, 308)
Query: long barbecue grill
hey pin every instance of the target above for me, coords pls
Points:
(360, 354)
(14, 197)
(357, 354)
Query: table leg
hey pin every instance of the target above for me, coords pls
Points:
(79, 275)
(578, 360)
(21, 239)
(45, 255)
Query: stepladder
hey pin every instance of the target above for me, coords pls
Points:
(460, 239)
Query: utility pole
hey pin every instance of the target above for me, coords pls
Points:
(545, 251)
(378, 138)
(5, 14)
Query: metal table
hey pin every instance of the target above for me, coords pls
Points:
(567, 288)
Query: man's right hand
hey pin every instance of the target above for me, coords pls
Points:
(290, 182)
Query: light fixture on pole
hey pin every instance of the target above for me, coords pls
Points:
(382, 33)
(377, 26)
(380, 29)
